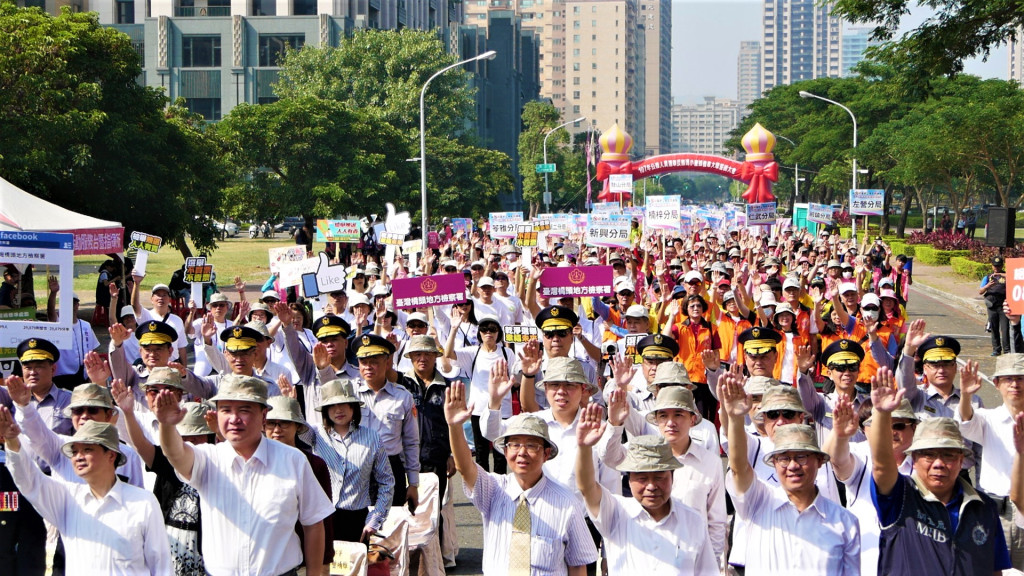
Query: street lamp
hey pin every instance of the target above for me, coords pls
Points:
(796, 172)
(805, 94)
(489, 55)
(547, 194)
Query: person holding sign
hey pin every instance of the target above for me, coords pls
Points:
(160, 296)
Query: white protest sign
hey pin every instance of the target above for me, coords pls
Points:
(329, 278)
(45, 251)
(605, 207)
(291, 272)
(561, 224)
(197, 273)
(820, 213)
(399, 223)
(504, 224)
(867, 202)
(662, 212)
(761, 214)
(609, 230)
(620, 183)
(285, 254)
(144, 244)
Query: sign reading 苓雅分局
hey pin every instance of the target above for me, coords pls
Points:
(576, 281)
(422, 291)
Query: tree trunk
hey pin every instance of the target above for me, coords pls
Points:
(182, 245)
(901, 227)
(883, 228)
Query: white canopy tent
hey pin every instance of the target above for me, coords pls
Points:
(23, 212)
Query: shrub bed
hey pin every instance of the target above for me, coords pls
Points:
(933, 257)
(968, 268)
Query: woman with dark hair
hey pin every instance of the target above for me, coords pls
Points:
(354, 455)
(466, 329)
(694, 335)
(786, 366)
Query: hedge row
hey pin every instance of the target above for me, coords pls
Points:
(932, 257)
(902, 248)
(969, 268)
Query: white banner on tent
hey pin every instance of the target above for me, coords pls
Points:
(662, 212)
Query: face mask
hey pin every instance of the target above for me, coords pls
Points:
(768, 311)
(847, 274)
(870, 315)
(512, 257)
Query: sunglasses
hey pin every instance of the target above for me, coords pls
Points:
(870, 308)
(626, 293)
(556, 333)
(415, 325)
(845, 368)
(901, 426)
(941, 363)
(90, 410)
(787, 414)
(487, 329)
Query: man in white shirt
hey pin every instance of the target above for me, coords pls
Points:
(108, 527)
(791, 528)
(160, 296)
(532, 526)
(252, 490)
(486, 303)
(69, 372)
(653, 532)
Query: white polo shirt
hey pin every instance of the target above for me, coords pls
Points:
(993, 429)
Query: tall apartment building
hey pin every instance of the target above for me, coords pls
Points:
(1015, 60)
(855, 42)
(606, 66)
(800, 40)
(703, 128)
(748, 74)
(656, 19)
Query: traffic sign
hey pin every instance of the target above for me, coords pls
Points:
(545, 168)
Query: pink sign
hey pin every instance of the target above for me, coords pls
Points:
(576, 281)
(423, 291)
(99, 241)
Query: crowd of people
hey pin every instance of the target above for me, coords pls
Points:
(744, 402)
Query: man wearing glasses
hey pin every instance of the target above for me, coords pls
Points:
(218, 307)
(790, 528)
(557, 329)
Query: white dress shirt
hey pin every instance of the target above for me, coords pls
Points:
(823, 539)
(120, 534)
(993, 429)
(558, 534)
(249, 507)
(858, 501)
(391, 413)
(639, 545)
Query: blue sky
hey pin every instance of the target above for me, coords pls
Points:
(706, 36)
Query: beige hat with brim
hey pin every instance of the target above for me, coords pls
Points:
(339, 391)
(1009, 365)
(781, 398)
(670, 374)
(216, 298)
(259, 327)
(241, 389)
(564, 369)
(194, 422)
(525, 425)
(422, 343)
(904, 412)
(89, 394)
(93, 432)
(674, 398)
(164, 376)
(938, 434)
(287, 409)
(794, 438)
(648, 454)
(759, 385)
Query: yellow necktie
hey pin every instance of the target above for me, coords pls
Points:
(519, 553)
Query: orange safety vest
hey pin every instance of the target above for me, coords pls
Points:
(780, 349)
(729, 331)
(690, 348)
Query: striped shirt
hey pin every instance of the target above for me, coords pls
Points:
(352, 460)
(559, 537)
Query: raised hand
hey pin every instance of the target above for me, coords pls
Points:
(167, 409)
(286, 386)
(734, 398)
(622, 370)
(885, 397)
(970, 384)
(804, 358)
(844, 420)
(243, 310)
(916, 336)
(321, 358)
(239, 284)
(118, 334)
(9, 429)
(1018, 432)
(209, 329)
(53, 284)
(182, 370)
(618, 407)
(711, 359)
(816, 294)
(530, 359)
(498, 383)
(590, 426)
(115, 292)
(456, 412)
(96, 368)
(284, 314)
(19, 391)
(124, 397)
(1013, 318)
(457, 314)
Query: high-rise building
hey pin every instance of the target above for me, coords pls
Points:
(748, 74)
(1015, 63)
(656, 18)
(855, 42)
(606, 71)
(703, 128)
(800, 40)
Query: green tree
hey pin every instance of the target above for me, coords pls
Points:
(78, 130)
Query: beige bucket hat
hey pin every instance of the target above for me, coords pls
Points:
(904, 412)
(781, 398)
(526, 425)
(759, 385)
(89, 394)
(260, 327)
(648, 454)
(938, 434)
(242, 389)
(794, 437)
(1009, 365)
(670, 374)
(93, 432)
(216, 298)
(563, 369)
(339, 391)
(287, 409)
(673, 398)
(164, 376)
(422, 343)
(194, 422)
